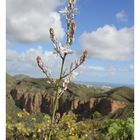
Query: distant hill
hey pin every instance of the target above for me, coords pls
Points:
(122, 93)
(10, 82)
(21, 76)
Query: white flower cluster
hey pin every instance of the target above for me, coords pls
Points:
(59, 48)
(65, 84)
(70, 11)
(63, 49)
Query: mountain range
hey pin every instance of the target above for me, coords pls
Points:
(36, 95)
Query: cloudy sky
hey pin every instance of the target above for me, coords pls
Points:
(104, 27)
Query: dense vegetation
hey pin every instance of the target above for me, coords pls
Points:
(36, 127)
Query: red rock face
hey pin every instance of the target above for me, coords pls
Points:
(117, 105)
(28, 101)
(43, 102)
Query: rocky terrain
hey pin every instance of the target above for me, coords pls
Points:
(36, 95)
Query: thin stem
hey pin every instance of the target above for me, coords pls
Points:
(61, 56)
(53, 114)
(62, 66)
(57, 96)
(71, 70)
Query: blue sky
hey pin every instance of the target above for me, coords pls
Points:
(104, 28)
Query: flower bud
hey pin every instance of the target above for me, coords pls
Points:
(52, 37)
(72, 2)
(39, 61)
(73, 27)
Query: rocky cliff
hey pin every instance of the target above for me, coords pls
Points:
(36, 95)
(43, 102)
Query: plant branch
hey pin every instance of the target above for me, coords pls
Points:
(77, 64)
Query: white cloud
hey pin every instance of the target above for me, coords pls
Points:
(109, 68)
(121, 16)
(109, 43)
(29, 21)
(131, 67)
(89, 68)
(116, 69)
(25, 62)
(96, 68)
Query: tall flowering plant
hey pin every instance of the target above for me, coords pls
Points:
(61, 84)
